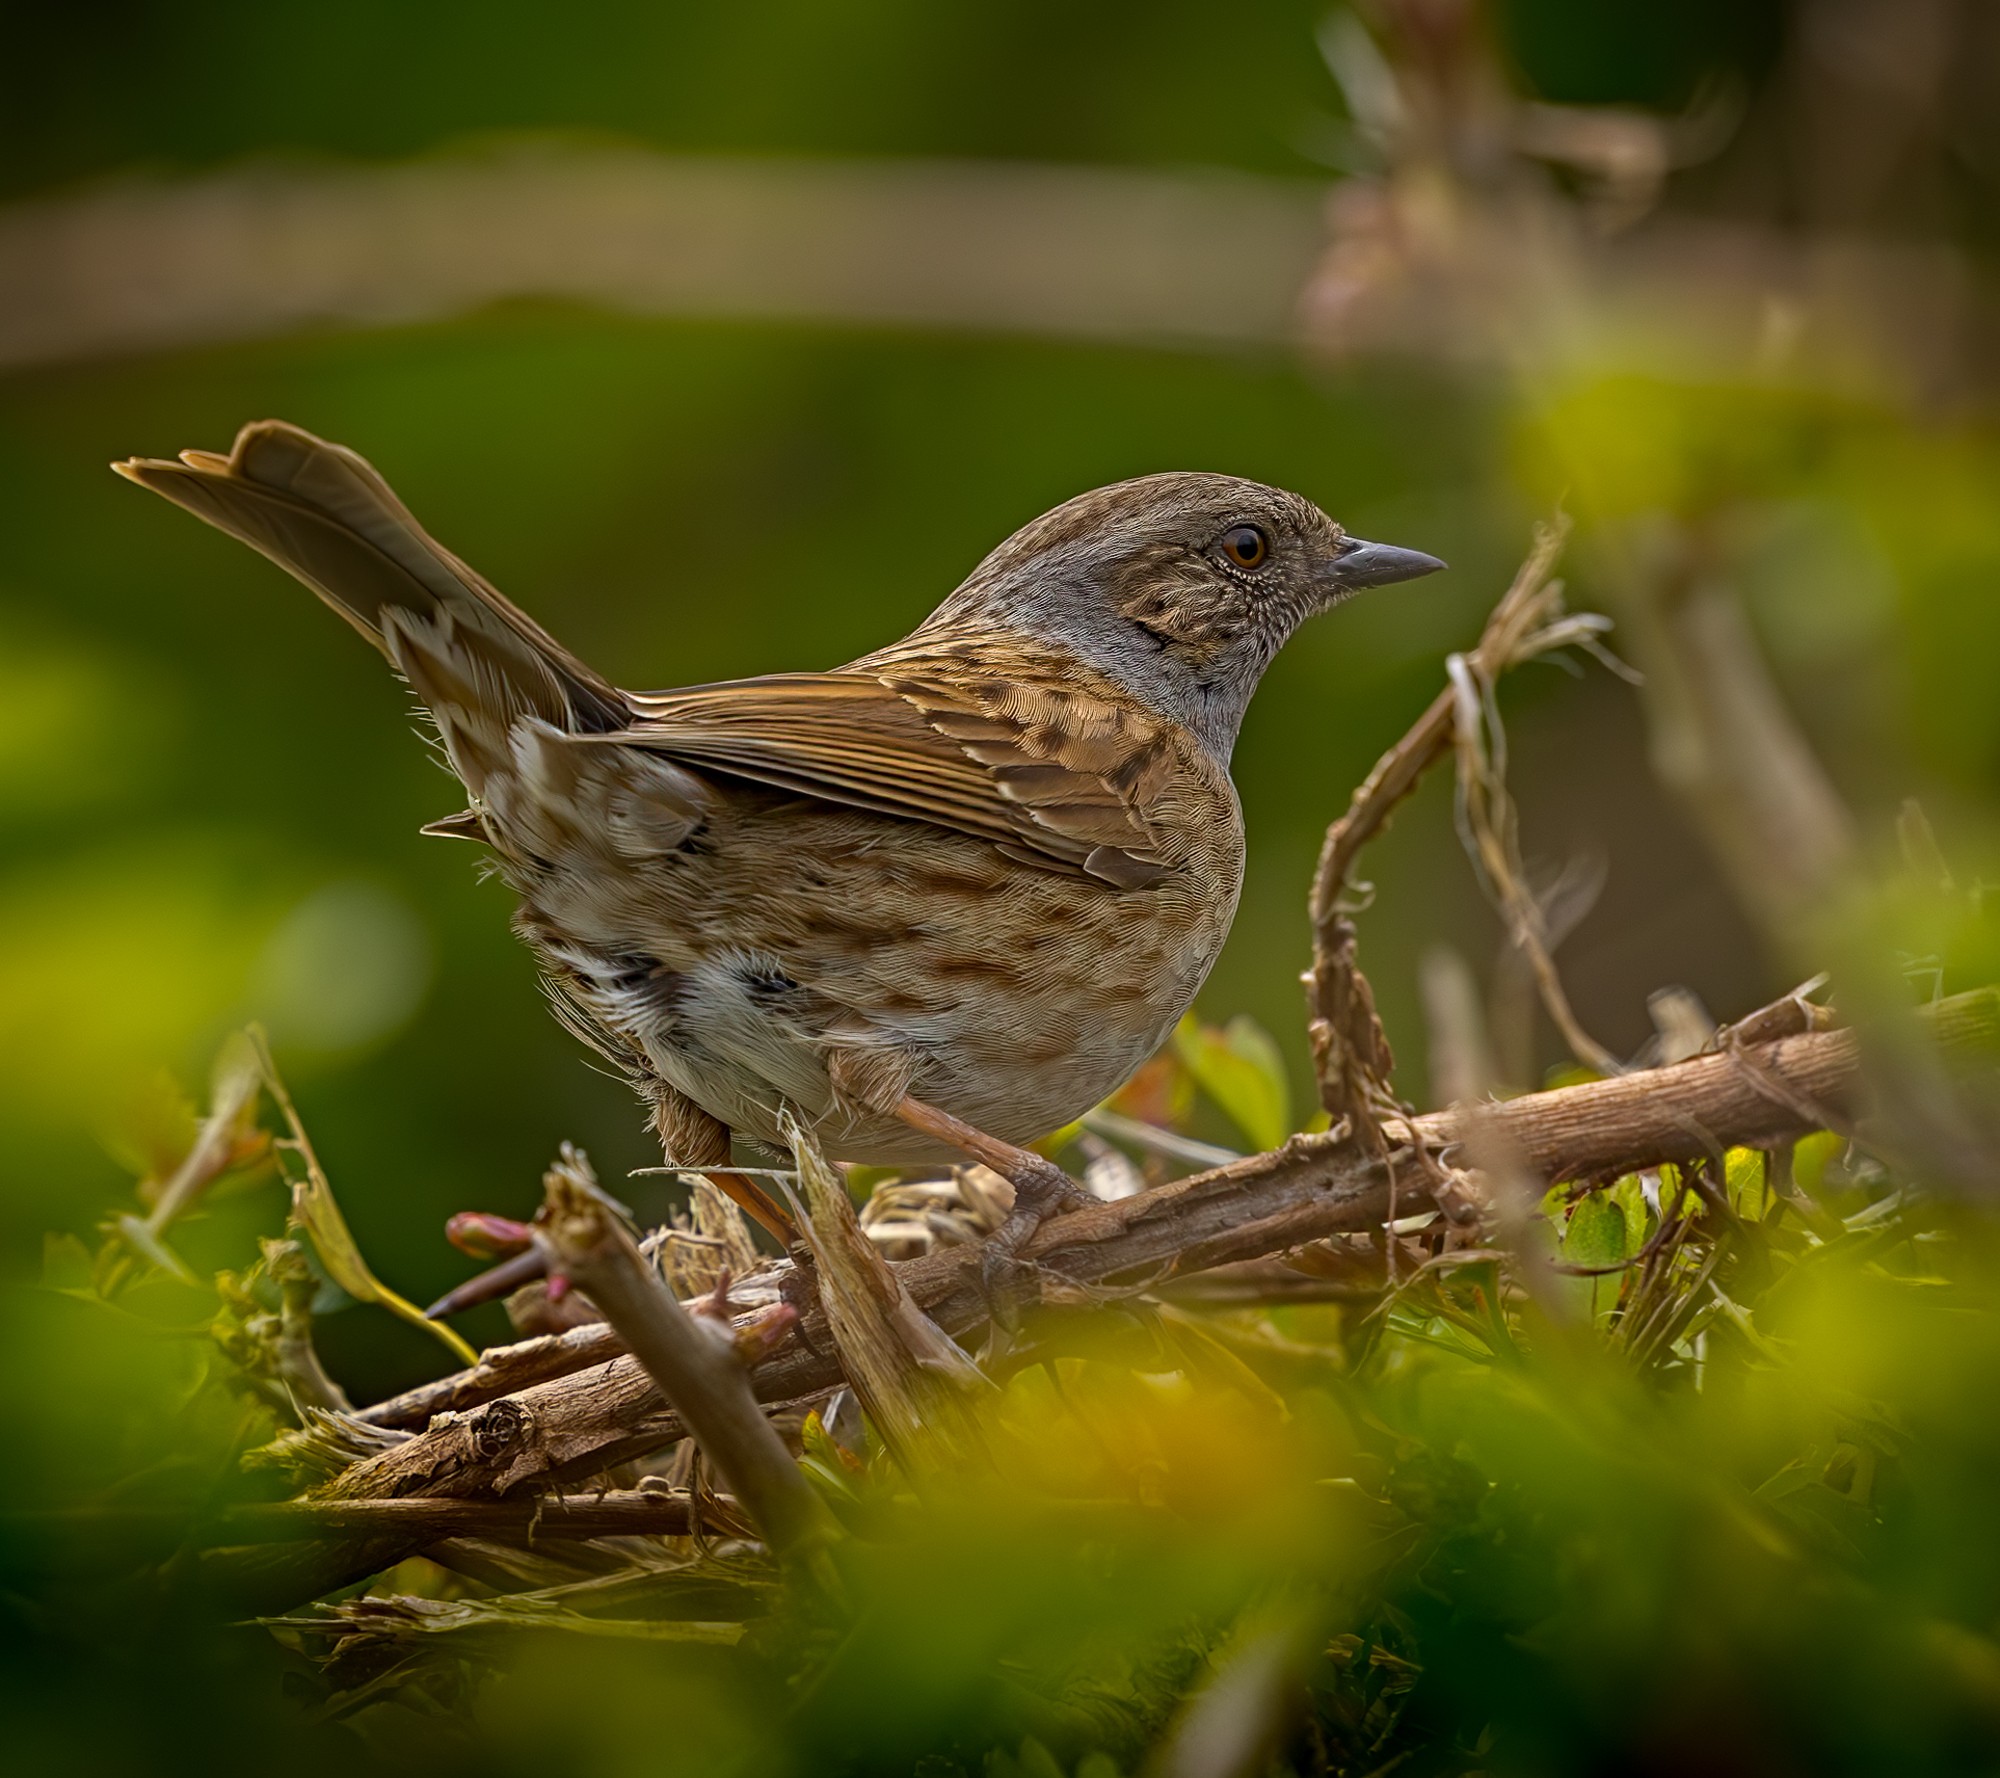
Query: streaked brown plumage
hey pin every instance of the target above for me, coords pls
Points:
(983, 870)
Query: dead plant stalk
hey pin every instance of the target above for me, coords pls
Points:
(696, 1370)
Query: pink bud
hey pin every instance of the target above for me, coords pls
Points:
(486, 1236)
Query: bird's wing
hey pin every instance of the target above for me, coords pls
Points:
(1053, 775)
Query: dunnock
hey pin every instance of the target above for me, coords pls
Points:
(940, 900)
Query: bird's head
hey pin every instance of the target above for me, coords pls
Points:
(1182, 587)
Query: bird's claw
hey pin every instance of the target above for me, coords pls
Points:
(1040, 1193)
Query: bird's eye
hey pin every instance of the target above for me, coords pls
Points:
(1246, 546)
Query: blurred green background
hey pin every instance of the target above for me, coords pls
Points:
(1715, 272)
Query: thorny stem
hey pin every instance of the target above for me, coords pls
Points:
(1350, 1053)
(1530, 600)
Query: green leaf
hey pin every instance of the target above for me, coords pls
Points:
(1596, 1236)
(1744, 1177)
(1805, 1471)
(1033, 1761)
(1239, 1066)
(316, 1214)
(1596, 1232)
(1811, 1156)
(833, 1468)
(1629, 1194)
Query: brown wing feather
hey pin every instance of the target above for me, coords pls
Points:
(1054, 772)
(1053, 775)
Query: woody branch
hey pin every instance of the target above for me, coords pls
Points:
(567, 1427)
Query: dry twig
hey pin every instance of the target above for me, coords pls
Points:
(621, 1513)
(1351, 1055)
(699, 1372)
(911, 1380)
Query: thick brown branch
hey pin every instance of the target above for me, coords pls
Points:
(576, 1425)
(500, 1371)
(268, 1555)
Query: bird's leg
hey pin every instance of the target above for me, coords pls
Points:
(691, 1138)
(1041, 1188)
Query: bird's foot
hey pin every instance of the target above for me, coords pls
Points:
(1041, 1190)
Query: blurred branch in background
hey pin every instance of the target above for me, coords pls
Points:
(152, 265)
(1519, 234)
(1484, 226)
(1413, 261)
(1722, 739)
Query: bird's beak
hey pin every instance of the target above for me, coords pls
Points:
(1358, 563)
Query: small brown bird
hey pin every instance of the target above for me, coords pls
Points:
(938, 901)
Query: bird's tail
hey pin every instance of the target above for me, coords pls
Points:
(322, 513)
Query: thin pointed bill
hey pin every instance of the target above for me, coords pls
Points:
(1362, 564)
